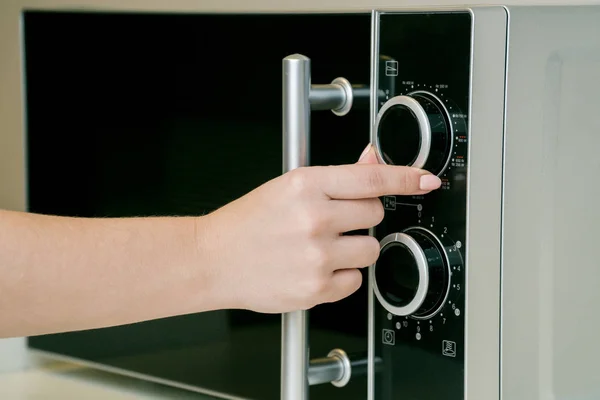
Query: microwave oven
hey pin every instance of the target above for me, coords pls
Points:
(484, 289)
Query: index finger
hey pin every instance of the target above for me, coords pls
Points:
(361, 181)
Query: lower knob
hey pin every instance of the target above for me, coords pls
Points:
(411, 276)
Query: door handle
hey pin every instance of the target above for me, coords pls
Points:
(300, 97)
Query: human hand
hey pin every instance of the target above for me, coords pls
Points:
(280, 248)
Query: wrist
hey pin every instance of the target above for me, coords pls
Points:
(208, 265)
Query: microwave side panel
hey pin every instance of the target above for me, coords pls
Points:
(551, 271)
(484, 203)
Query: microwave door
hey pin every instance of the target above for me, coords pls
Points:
(137, 114)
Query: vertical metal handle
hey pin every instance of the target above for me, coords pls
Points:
(296, 153)
(299, 98)
(296, 112)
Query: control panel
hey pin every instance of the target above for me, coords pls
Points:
(419, 281)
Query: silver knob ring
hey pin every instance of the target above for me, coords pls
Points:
(424, 127)
(422, 267)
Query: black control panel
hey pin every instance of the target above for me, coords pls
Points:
(419, 280)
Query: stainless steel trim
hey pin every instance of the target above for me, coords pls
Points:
(346, 367)
(296, 112)
(337, 368)
(468, 218)
(421, 260)
(325, 370)
(338, 96)
(486, 125)
(345, 85)
(327, 97)
(424, 127)
(374, 102)
(299, 98)
(296, 145)
(502, 212)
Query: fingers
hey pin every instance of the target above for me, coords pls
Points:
(340, 275)
(361, 181)
(343, 284)
(356, 251)
(369, 156)
(350, 215)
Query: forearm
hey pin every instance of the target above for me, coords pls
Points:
(62, 274)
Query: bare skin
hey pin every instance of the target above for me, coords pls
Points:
(257, 253)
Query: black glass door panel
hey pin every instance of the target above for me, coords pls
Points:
(421, 353)
(166, 114)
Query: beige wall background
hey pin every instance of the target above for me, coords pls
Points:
(13, 355)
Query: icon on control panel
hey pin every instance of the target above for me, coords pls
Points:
(389, 203)
(391, 68)
(389, 337)
(449, 348)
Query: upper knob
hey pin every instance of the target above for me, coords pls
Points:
(415, 130)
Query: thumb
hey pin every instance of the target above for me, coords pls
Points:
(368, 156)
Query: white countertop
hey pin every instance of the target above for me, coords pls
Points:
(49, 380)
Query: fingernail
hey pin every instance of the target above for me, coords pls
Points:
(365, 152)
(429, 182)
